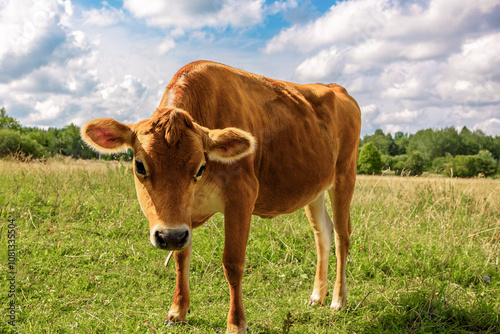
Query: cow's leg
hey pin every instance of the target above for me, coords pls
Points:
(323, 233)
(236, 226)
(340, 196)
(180, 303)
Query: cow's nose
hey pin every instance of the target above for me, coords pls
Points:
(172, 240)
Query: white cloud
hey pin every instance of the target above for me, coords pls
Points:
(409, 64)
(58, 80)
(346, 22)
(54, 73)
(282, 6)
(105, 16)
(166, 45)
(19, 32)
(133, 85)
(194, 14)
(46, 110)
(30, 29)
(409, 80)
(416, 29)
(405, 116)
(472, 75)
(177, 32)
(323, 65)
(490, 126)
(368, 115)
(412, 61)
(478, 59)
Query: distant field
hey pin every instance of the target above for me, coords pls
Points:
(424, 259)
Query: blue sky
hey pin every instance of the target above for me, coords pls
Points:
(411, 64)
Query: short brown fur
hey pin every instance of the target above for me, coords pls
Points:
(270, 147)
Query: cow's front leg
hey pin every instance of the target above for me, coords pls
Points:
(237, 226)
(180, 304)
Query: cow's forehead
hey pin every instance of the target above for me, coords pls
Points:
(188, 149)
(150, 142)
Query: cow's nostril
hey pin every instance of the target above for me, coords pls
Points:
(162, 238)
(183, 238)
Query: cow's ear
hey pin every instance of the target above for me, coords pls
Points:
(228, 145)
(107, 136)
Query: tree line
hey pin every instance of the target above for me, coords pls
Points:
(29, 142)
(463, 153)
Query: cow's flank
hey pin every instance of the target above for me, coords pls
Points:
(224, 140)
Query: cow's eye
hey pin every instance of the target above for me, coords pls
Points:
(200, 171)
(139, 167)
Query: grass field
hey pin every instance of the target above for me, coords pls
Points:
(424, 259)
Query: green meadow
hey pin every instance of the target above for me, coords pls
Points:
(424, 259)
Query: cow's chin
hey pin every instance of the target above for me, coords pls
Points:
(173, 239)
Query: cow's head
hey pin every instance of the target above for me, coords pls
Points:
(170, 154)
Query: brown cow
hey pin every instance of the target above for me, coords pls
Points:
(224, 140)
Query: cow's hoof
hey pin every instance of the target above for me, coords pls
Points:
(236, 330)
(336, 305)
(316, 300)
(171, 323)
(175, 316)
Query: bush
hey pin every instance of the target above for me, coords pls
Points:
(399, 167)
(395, 163)
(462, 166)
(439, 163)
(370, 160)
(415, 163)
(387, 161)
(486, 163)
(12, 142)
(472, 165)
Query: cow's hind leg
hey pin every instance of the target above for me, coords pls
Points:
(323, 231)
(340, 196)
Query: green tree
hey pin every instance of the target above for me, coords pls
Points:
(489, 143)
(72, 143)
(370, 160)
(470, 141)
(40, 135)
(401, 140)
(7, 122)
(383, 142)
(435, 143)
(493, 145)
(486, 163)
(12, 142)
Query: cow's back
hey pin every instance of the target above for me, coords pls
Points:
(303, 131)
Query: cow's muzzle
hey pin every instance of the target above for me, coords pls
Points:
(171, 239)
